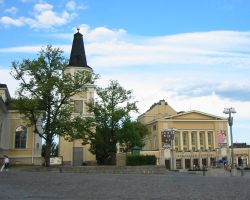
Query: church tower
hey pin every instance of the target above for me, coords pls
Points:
(78, 62)
(74, 153)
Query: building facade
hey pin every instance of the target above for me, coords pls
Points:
(200, 139)
(242, 154)
(17, 139)
(74, 153)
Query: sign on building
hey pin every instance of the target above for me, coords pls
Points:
(166, 137)
(222, 138)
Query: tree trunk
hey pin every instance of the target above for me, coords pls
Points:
(48, 153)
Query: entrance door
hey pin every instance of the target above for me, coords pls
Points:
(187, 164)
(167, 164)
(204, 161)
(178, 164)
(77, 156)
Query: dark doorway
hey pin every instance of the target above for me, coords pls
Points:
(167, 164)
(187, 164)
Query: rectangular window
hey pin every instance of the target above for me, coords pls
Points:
(201, 138)
(193, 137)
(210, 138)
(154, 127)
(185, 138)
(176, 139)
(20, 137)
(78, 106)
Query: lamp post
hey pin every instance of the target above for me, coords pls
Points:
(168, 136)
(173, 130)
(231, 111)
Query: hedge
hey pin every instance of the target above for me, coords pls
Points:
(133, 160)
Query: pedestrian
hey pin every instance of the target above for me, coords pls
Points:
(6, 163)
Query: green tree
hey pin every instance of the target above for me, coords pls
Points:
(44, 93)
(132, 134)
(111, 110)
(54, 149)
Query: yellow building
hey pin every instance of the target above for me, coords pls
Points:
(17, 140)
(74, 153)
(200, 138)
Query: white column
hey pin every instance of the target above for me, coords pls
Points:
(208, 162)
(198, 140)
(200, 162)
(183, 163)
(214, 137)
(206, 141)
(163, 157)
(181, 140)
(172, 155)
(189, 141)
(191, 162)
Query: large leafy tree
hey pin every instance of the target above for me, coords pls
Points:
(45, 91)
(113, 107)
(132, 134)
(111, 113)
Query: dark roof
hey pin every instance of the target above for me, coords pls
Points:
(3, 85)
(77, 56)
(241, 145)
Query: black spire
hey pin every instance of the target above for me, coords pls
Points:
(77, 56)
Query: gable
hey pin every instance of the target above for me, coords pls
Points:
(195, 115)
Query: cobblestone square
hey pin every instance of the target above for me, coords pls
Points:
(20, 185)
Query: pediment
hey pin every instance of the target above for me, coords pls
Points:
(194, 115)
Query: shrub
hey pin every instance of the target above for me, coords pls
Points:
(133, 160)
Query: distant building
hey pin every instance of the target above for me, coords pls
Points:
(241, 154)
(17, 139)
(200, 138)
(74, 153)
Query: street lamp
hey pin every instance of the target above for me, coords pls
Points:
(231, 111)
(173, 131)
(168, 136)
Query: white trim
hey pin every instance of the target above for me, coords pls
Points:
(199, 112)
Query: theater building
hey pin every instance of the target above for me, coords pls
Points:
(17, 139)
(200, 139)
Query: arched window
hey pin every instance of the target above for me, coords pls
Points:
(20, 137)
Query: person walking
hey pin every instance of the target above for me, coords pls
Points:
(6, 163)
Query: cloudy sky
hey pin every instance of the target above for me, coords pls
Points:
(194, 54)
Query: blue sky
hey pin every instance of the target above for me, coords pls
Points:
(194, 54)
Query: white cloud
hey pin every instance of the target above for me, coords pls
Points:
(44, 17)
(41, 7)
(32, 49)
(10, 21)
(6, 78)
(12, 10)
(71, 5)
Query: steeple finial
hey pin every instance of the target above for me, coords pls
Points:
(78, 29)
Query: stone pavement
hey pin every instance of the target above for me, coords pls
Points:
(20, 185)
